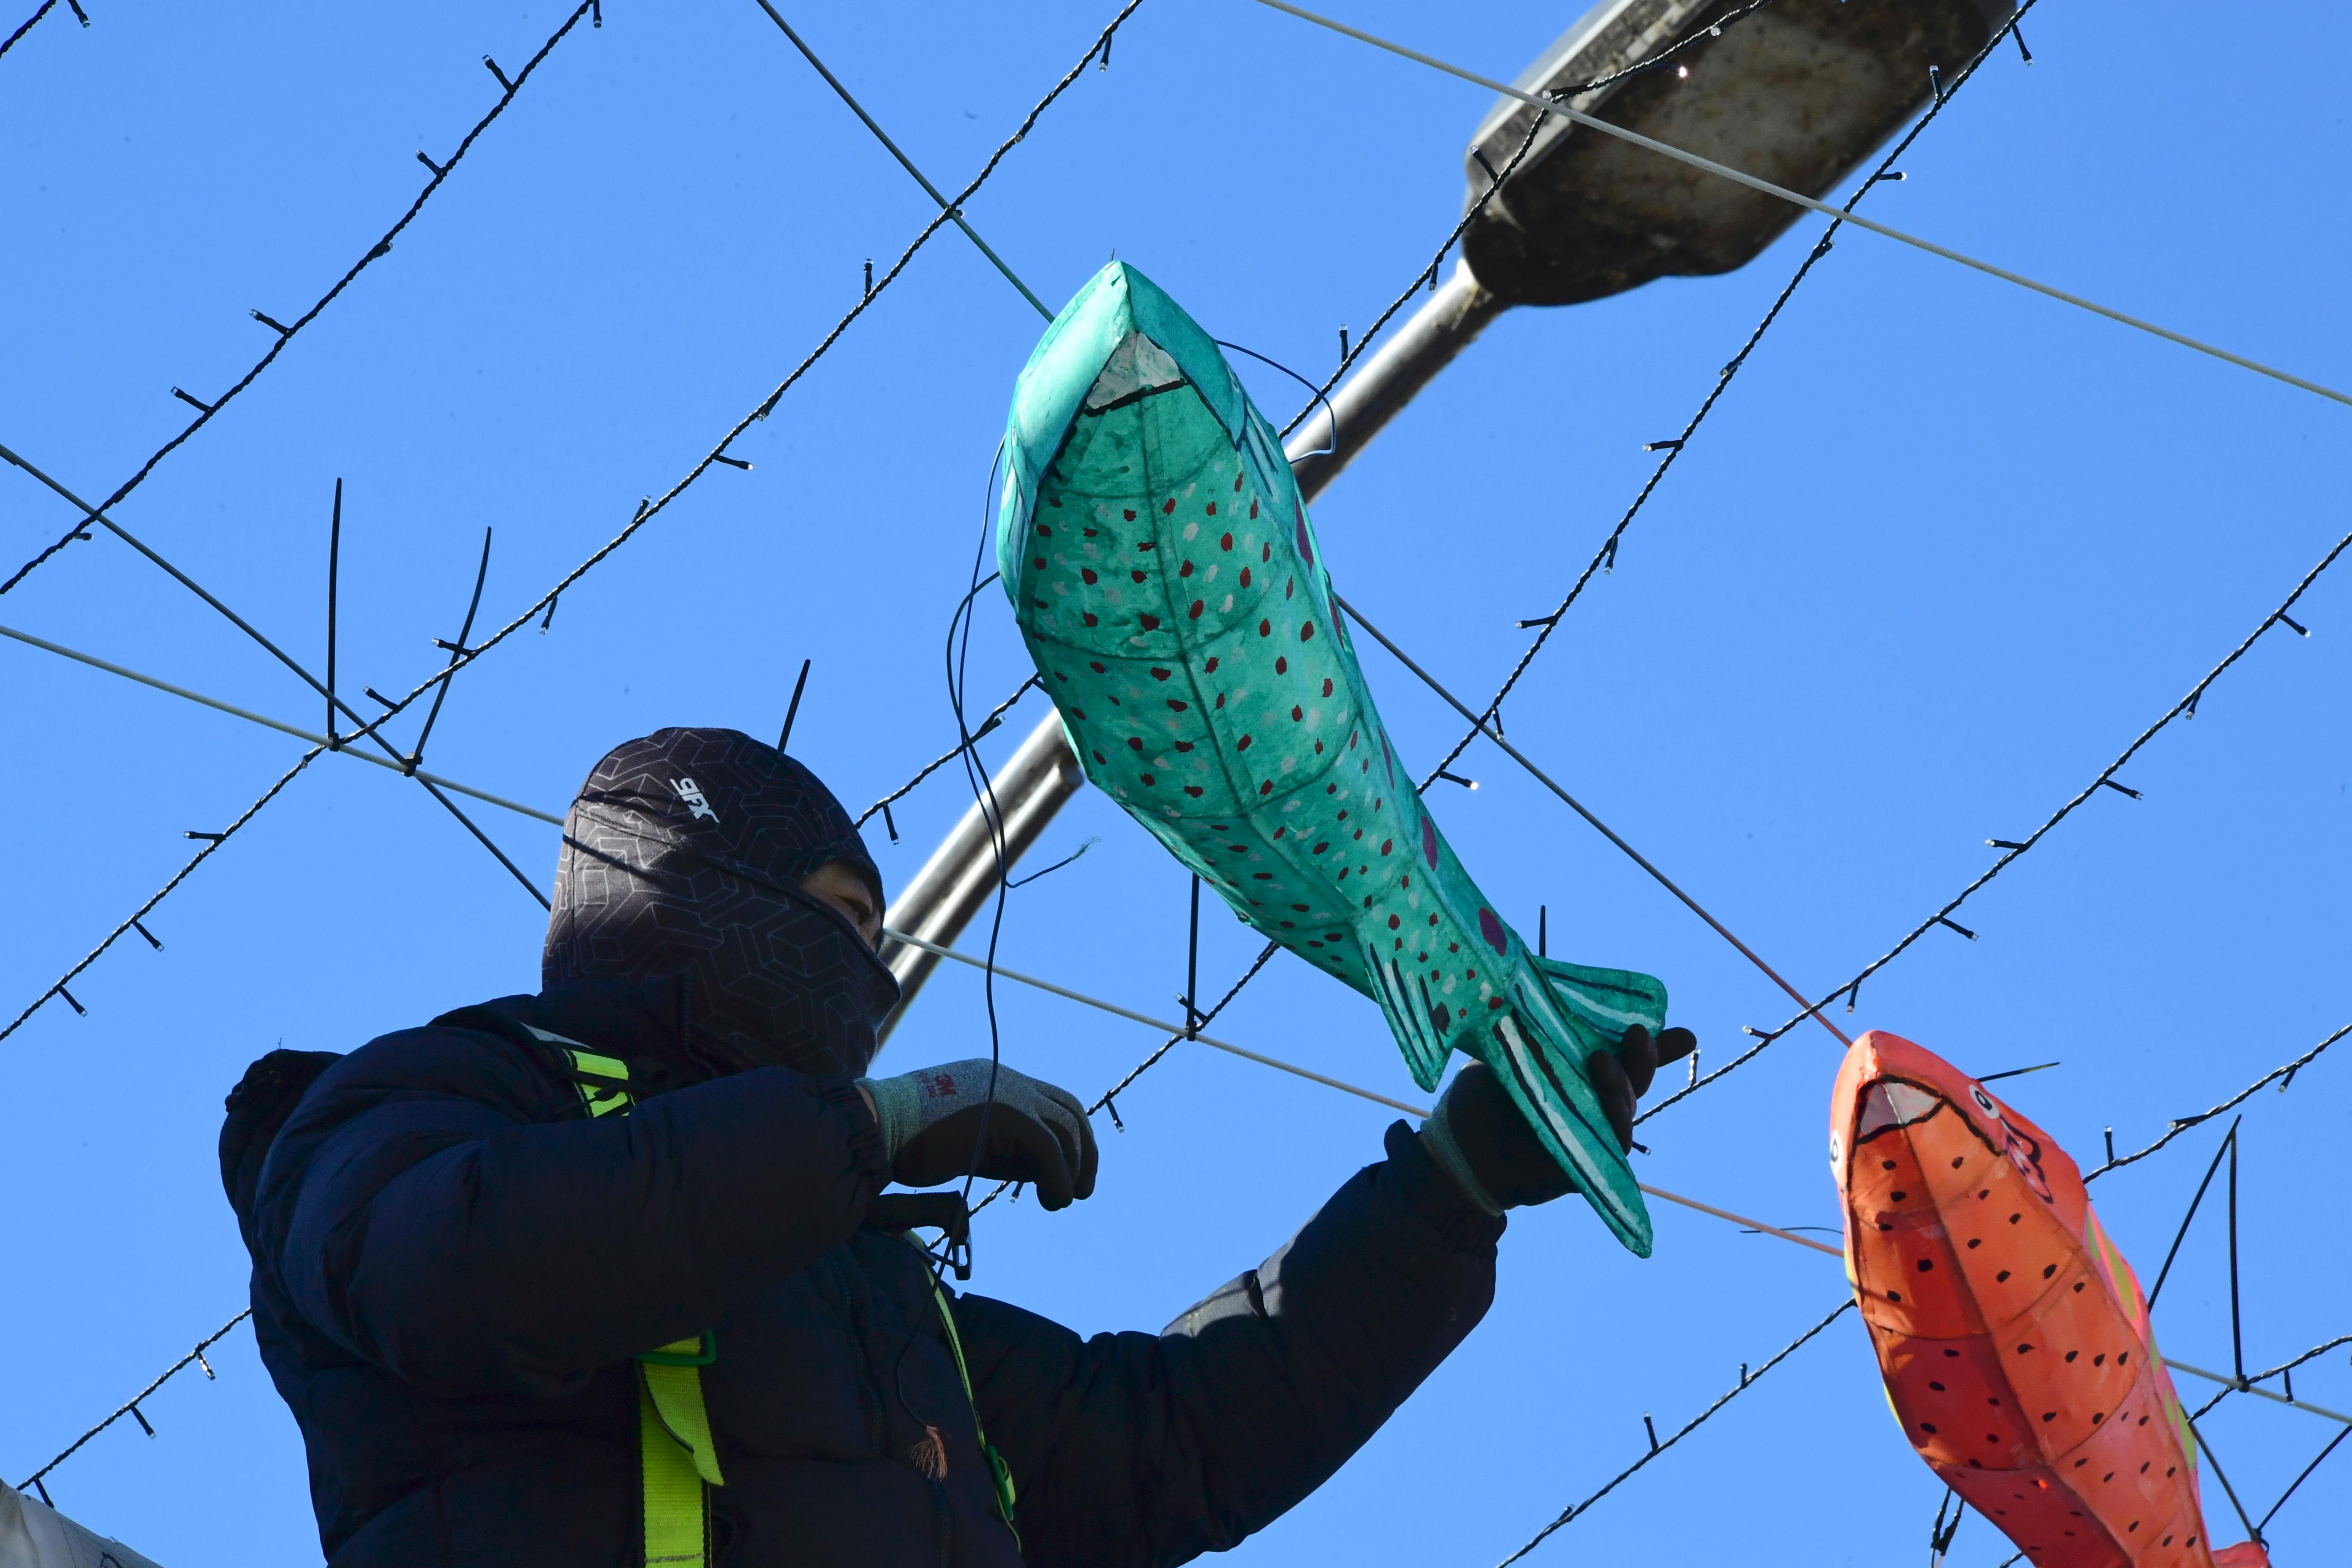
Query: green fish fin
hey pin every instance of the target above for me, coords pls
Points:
(1537, 1045)
(1404, 1003)
(1609, 1001)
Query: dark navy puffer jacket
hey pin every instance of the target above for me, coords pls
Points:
(454, 1265)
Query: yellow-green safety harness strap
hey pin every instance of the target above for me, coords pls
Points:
(998, 1469)
(677, 1458)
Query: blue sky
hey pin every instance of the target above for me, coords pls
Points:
(1943, 549)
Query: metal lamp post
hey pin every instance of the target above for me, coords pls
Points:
(1798, 93)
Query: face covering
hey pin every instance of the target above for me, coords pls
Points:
(683, 856)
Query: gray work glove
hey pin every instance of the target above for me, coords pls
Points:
(1480, 1138)
(932, 1129)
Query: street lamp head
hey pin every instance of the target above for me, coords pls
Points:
(1798, 93)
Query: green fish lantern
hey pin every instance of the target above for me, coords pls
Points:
(1169, 588)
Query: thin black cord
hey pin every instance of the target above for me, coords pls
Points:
(983, 791)
(2228, 1142)
(2237, 1337)
(47, 7)
(2253, 1531)
(1313, 392)
(2314, 1464)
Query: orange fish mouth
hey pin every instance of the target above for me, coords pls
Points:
(1890, 1103)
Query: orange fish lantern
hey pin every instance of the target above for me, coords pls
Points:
(2013, 1338)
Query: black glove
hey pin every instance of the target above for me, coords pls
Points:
(1487, 1147)
(1034, 1132)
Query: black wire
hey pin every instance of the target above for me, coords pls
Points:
(2314, 1464)
(995, 716)
(2253, 1531)
(983, 790)
(1313, 392)
(47, 7)
(1065, 861)
(181, 875)
(2228, 1142)
(2237, 1338)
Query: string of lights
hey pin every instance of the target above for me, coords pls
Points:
(285, 333)
(34, 20)
(995, 717)
(461, 657)
(321, 744)
(652, 507)
(2283, 1076)
(2011, 850)
(212, 843)
(1747, 1380)
(130, 1407)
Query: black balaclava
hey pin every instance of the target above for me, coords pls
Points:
(683, 857)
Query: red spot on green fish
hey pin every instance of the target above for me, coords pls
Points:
(1492, 930)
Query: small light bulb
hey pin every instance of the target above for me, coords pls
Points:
(1683, 72)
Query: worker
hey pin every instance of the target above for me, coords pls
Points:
(605, 1275)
